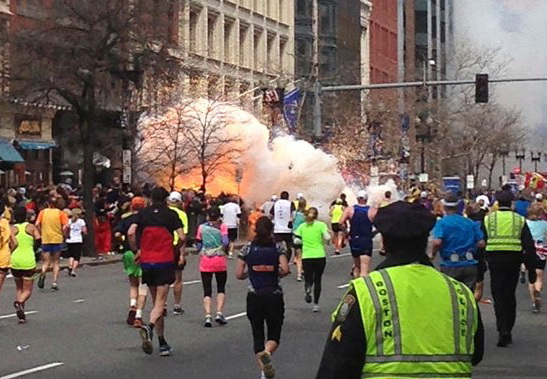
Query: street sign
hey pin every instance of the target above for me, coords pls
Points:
(126, 175)
(126, 158)
(470, 181)
(424, 178)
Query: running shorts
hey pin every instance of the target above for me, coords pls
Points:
(75, 250)
(360, 246)
(155, 277)
(336, 228)
(130, 267)
(25, 274)
(50, 248)
(285, 237)
(4, 269)
(232, 234)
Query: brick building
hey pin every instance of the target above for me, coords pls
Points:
(383, 42)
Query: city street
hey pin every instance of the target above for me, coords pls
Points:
(82, 329)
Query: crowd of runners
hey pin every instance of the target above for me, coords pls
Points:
(154, 230)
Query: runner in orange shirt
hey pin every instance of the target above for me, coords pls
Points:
(51, 222)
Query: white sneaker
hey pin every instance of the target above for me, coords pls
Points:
(315, 309)
(262, 376)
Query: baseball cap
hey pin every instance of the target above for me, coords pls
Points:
(175, 197)
(539, 196)
(423, 195)
(299, 195)
(362, 194)
(274, 197)
(138, 203)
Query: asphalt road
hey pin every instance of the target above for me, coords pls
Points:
(82, 327)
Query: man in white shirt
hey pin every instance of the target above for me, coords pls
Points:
(231, 212)
(485, 199)
(282, 213)
(268, 205)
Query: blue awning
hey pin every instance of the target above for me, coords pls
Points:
(8, 153)
(36, 145)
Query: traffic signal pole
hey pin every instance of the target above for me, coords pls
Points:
(318, 90)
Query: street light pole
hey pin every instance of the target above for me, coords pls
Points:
(535, 159)
(503, 152)
(520, 157)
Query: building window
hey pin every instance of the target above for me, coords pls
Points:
(282, 51)
(194, 18)
(228, 30)
(326, 15)
(271, 53)
(256, 49)
(212, 21)
(28, 125)
(243, 35)
(303, 8)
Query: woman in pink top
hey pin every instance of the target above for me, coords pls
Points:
(212, 242)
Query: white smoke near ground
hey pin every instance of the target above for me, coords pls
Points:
(518, 27)
(269, 167)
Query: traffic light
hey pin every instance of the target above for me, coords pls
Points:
(481, 88)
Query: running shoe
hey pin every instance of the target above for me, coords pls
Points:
(266, 359)
(231, 256)
(315, 308)
(336, 253)
(131, 316)
(41, 281)
(307, 298)
(20, 312)
(54, 287)
(299, 278)
(523, 277)
(177, 310)
(165, 311)
(69, 272)
(138, 323)
(73, 274)
(146, 335)
(208, 322)
(165, 350)
(220, 319)
(535, 308)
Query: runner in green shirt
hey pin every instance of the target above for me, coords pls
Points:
(313, 235)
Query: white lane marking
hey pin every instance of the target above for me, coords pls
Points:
(14, 315)
(340, 256)
(192, 282)
(234, 316)
(32, 370)
(343, 286)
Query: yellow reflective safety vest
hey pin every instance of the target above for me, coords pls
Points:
(504, 229)
(418, 323)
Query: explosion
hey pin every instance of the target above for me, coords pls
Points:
(238, 141)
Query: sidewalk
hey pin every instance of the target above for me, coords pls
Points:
(112, 259)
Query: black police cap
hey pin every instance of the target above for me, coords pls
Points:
(403, 220)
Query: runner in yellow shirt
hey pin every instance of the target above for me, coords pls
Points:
(51, 223)
(336, 212)
(7, 243)
(175, 203)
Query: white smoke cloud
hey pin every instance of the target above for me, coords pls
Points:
(285, 164)
(519, 28)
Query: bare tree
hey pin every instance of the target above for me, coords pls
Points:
(89, 55)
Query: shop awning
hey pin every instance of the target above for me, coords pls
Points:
(8, 153)
(36, 145)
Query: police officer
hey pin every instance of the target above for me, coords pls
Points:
(405, 319)
(506, 235)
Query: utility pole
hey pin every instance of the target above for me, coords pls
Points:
(317, 127)
(429, 43)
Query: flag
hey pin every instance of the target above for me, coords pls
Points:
(291, 104)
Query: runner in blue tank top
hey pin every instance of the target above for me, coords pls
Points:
(360, 235)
